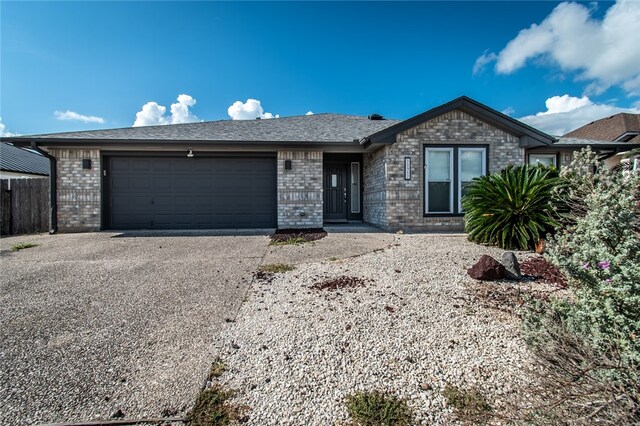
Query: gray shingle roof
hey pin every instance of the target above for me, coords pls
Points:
(304, 128)
(592, 142)
(14, 159)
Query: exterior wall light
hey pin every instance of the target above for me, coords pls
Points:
(190, 154)
(86, 164)
(287, 164)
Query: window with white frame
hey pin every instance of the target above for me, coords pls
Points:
(471, 164)
(448, 172)
(544, 159)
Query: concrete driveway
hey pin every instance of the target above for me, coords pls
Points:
(95, 323)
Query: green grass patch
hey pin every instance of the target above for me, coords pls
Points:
(22, 246)
(276, 268)
(470, 405)
(289, 241)
(378, 409)
(212, 408)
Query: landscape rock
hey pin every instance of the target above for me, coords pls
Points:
(511, 266)
(487, 269)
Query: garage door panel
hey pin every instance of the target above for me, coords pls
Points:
(188, 193)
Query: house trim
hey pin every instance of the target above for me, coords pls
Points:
(529, 137)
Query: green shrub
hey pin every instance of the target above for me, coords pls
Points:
(378, 409)
(511, 209)
(599, 250)
(588, 345)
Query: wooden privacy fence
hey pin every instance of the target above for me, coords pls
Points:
(24, 206)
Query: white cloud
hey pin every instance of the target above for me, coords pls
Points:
(153, 114)
(604, 52)
(249, 110)
(309, 113)
(566, 113)
(508, 111)
(74, 116)
(3, 130)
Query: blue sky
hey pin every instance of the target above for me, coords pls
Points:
(89, 65)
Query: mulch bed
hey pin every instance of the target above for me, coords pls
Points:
(342, 282)
(540, 269)
(312, 234)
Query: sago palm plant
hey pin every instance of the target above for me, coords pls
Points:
(510, 209)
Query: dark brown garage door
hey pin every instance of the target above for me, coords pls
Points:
(190, 193)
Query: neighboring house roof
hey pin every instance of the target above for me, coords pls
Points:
(566, 142)
(620, 127)
(13, 159)
(529, 137)
(304, 128)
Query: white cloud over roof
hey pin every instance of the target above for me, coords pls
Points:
(249, 110)
(74, 116)
(566, 113)
(153, 114)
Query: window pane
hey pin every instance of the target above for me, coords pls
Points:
(439, 196)
(355, 187)
(470, 165)
(438, 165)
(545, 160)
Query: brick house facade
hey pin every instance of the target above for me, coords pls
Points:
(297, 172)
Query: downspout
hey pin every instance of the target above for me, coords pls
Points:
(53, 179)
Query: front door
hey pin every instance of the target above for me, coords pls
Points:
(335, 192)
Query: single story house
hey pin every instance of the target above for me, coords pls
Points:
(21, 163)
(292, 172)
(612, 137)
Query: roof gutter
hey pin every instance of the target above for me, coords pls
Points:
(53, 179)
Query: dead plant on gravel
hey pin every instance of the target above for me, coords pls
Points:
(575, 384)
(342, 282)
(276, 268)
(470, 405)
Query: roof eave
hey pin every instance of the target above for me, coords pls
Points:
(534, 137)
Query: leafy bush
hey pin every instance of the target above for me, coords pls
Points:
(378, 409)
(511, 209)
(599, 250)
(589, 345)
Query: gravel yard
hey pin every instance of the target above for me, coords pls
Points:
(294, 352)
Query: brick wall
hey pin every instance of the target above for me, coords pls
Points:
(78, 190)
(300, 190)
(397, 203)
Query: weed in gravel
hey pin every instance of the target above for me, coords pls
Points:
(276, 268)
(22, 246)
(217, 368)
(213, 409)
(470, 405)
(377, 409)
